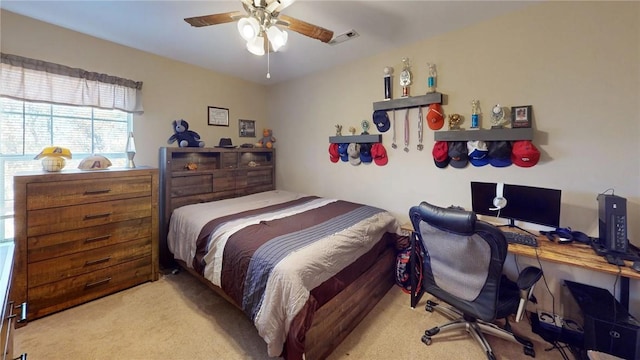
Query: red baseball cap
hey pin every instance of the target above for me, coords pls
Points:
(435, 117)
(379, 154)
(524, 153)
(440, 154)
(334, 155)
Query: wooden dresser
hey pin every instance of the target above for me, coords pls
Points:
(193, 175)
(80, 235)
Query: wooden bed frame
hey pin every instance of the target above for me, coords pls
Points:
(226, 173)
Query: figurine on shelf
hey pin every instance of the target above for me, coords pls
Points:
(454, 121)
(431, 80)
(352, 130)
(338, 130)
(365, 127)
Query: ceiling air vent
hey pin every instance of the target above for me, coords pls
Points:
(351, 34)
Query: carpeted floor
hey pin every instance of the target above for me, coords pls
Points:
(177, 317)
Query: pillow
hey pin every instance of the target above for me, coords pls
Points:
(94, 162)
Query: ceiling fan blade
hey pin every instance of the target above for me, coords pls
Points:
(306, 29)
(206, 20)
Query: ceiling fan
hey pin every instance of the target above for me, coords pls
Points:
(259, 26)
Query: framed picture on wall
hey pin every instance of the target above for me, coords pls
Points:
(218, 116)
(521, 116)
(247, 128)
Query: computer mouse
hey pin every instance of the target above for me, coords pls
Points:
(636, 266)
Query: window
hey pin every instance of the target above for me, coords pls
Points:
(27, 127)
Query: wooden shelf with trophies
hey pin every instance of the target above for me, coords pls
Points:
(360, 139)
(408, 102)
(520, 126)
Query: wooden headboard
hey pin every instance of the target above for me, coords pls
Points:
(194, 175)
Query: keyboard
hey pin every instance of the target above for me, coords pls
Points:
(520, 238)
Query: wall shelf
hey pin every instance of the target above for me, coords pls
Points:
(411, 101)
(360, 139)
(485, 135)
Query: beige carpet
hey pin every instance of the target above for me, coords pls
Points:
(177, 317)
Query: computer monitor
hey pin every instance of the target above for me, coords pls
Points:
(525, 203)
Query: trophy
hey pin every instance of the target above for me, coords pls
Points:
(497, 116)
(431, 80)
(475, 114)
(388, 71)
(405, 77)
(365, 127)
(454, 121)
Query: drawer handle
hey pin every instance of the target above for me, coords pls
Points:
(96, 216)
(23, 312)
(97, 238)
(99, 261)
(99, 282)
(97, 192)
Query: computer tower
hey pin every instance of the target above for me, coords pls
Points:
(612, 223)
(608, 326)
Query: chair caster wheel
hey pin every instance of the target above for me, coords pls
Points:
(428, 308)
(529, 351)
(426, 339)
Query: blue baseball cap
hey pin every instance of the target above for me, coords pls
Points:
(458, 154)
(499, 153)
(365, 153)
(381, 119)
(478, 152)
(342, 151)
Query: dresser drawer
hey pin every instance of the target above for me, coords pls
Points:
(46, 221)
(63, 294)
(54, 245)
(56, 269)
(73, 192)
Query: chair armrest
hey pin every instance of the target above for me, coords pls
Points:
(528, 277)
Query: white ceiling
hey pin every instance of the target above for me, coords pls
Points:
(158, 27)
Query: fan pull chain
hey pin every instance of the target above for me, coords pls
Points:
(268, 73)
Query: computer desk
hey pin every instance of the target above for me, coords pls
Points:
(572, 254)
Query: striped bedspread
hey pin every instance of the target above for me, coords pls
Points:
(270, 252)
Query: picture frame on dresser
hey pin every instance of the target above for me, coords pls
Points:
(217, 116)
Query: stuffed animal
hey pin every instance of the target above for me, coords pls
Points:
(267, 139)
(184, 136)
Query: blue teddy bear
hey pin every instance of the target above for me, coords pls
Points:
(184, 136)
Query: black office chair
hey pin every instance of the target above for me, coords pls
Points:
(462, 266)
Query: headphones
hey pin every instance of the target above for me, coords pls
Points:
(499, 201)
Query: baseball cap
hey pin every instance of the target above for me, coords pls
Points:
(458, 154)
(342, 151)
(478, 152)
(499, 153)
(524, 153)
(365, 153)
(354, 153)
(379, 154)
(440, 154)
(381, 119)
(435, 117)
(334, 155)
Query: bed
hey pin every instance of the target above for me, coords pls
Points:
(303, 268)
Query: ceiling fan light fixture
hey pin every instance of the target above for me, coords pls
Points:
(256, 46)
(277, 38)
(249, 28)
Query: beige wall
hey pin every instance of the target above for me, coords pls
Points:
(171, 90)
(576, 63)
